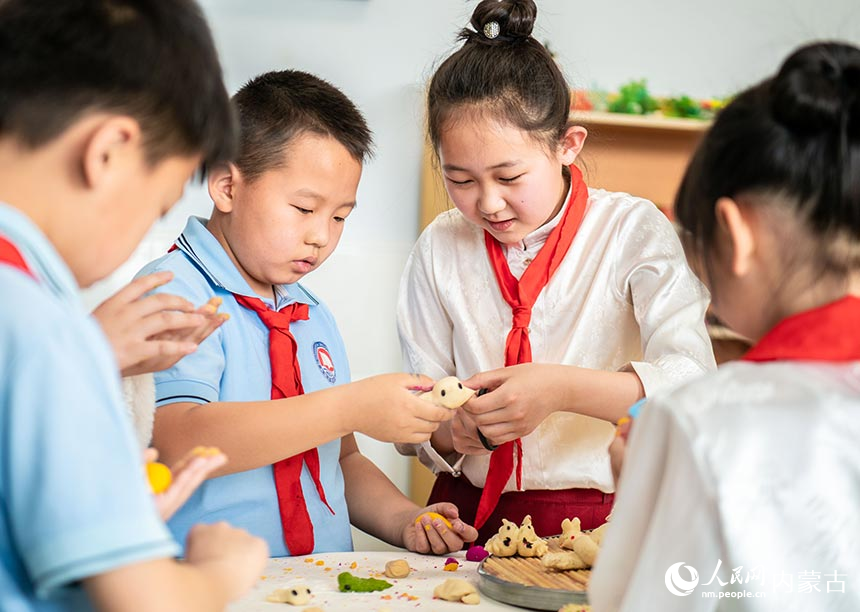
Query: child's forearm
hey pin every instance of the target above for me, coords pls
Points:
(375, 505)
(595, 393)
(179, 587)
(252, 434)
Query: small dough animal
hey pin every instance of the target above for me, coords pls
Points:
(503, 543)
(398, 568)
(448, 392)
(582, 547)
(456, 589)
(347, 583)
(298, 595)
(563, 560)
(528, 542)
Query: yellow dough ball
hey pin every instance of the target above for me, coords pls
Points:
(159, 476)
(434, 515)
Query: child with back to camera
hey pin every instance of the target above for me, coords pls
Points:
(584, 293)
(753, 473)
(94, 147)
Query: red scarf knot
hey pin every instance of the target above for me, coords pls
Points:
(521, 297)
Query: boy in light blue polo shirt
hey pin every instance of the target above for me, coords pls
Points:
(280, 208)
(94, 146)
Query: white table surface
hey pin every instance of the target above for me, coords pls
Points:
(319, 573)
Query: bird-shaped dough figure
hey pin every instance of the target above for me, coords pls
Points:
(528, 542)
(448, 392)
(503, 543)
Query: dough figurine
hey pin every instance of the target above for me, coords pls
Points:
(398, 568)
(448, 392)
(295, 596)
(504, 543)
(585, 544)
(570, 530)
(347, 583)
(582, 547)
(456, 589)
(451, 565)
(564, 560)
(528, 542)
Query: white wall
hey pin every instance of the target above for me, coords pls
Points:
(380, 52)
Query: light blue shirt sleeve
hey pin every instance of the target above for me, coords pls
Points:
(71, 481)
(196, 377)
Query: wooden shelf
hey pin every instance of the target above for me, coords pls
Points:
(643, 155)
(653, 121)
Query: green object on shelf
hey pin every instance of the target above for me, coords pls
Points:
(347, 583)
(684, 106)
(633, 99)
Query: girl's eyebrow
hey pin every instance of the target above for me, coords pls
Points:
(309, 193)
(507, 164)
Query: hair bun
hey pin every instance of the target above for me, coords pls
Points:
(818, 87)
(515, 19)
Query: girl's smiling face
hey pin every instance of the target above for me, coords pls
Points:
(501, 178)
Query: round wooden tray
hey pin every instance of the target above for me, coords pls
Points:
(530, 596)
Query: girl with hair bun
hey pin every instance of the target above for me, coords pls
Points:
(759, 463)
(585, 295)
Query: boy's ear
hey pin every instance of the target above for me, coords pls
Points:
(736, 224)
(222, 180)
(572, 143)
(114, 142)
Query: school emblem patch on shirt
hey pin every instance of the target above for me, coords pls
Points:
(324, 361)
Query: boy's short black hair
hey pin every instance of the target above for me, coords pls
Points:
(153, 60)
(277, 107)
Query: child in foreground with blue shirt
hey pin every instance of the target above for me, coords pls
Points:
(94, 146)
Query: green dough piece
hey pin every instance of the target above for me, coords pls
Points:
(347, 583)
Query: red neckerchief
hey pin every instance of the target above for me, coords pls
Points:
(826, 333)
(287, 382)
(296, 524)
(521, 296)
(10, 255)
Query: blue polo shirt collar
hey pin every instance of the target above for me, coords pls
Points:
(199, 245)
(41, 256)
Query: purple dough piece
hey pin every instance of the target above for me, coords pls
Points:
(476, 553)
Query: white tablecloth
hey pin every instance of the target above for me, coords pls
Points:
(319, 573)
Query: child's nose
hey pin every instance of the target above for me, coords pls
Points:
(318, 235)
(490, 202)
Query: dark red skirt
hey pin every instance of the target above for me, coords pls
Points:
(547, 508)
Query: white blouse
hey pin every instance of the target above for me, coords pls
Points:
(622, 295)
(756, 467)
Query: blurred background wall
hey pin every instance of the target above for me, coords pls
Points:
(381, 52)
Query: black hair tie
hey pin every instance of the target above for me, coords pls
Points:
(486, 443)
